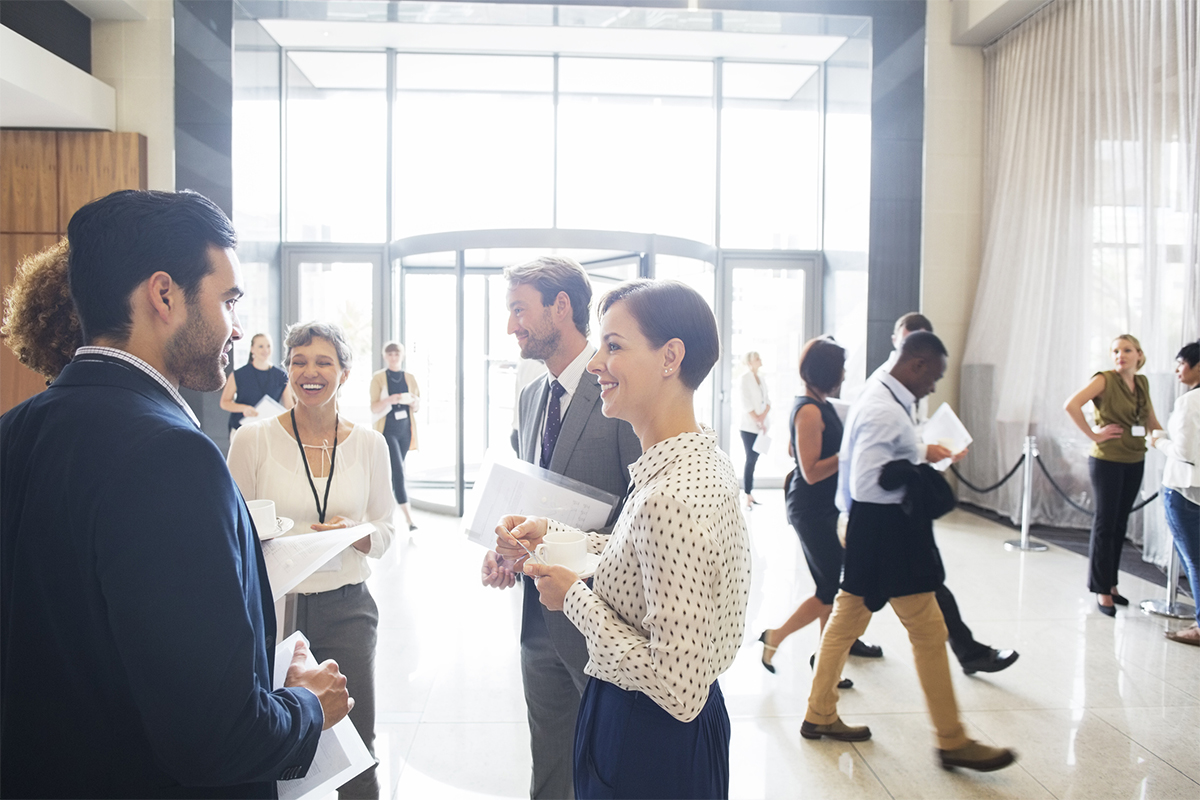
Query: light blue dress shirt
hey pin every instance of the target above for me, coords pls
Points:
(879, 429)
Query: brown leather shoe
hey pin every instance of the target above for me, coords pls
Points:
(835, 730)
(1185, 635)
(977, 756)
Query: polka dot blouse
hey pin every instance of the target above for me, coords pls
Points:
(668, 609)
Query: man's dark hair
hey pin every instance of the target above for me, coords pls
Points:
(666, 310)
(119, 241)
(1190, 353)
(921, 344)
(551, 275)
(822, 364)
(912, 322)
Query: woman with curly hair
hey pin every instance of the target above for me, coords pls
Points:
(40, 323)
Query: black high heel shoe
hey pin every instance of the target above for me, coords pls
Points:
(767, 648)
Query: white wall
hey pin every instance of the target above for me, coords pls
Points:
(137, 58)
(951, 223)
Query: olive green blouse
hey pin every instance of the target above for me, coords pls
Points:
(1127, 409)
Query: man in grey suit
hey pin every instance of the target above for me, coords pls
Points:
(560, 427)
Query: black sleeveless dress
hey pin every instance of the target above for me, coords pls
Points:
(255, 384)
(811, 509)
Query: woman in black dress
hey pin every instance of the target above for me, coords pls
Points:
(816, 437)
(395, 398)
(251, 383)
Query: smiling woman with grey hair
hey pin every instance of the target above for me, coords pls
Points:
(327, 473)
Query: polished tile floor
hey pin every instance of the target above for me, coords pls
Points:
(1096, 707)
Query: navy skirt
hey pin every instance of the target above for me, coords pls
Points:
(626, 746)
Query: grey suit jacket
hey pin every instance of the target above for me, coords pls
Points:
(591, 447)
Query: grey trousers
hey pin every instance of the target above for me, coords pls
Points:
(341, 624)
(553, 655)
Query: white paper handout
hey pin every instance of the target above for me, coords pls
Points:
(267, 408)
(341, 753)
(946, 429)
(762, 443)
(512, 486)
(291, 559)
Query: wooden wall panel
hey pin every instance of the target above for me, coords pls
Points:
(91, 165)
(17, 382)
(29, 163)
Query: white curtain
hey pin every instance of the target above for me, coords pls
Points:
(1091, 192)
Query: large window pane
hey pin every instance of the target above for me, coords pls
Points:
(637, 145)
(336, 147)
(770, 157)
(474, 143)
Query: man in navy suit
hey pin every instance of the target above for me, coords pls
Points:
(561, 428)
(137, 631)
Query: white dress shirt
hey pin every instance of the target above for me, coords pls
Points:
(266, 464)
(569, 378)
(922, 415)
(879, 429)
(668, 608)
(1182, 447)
(754, 398)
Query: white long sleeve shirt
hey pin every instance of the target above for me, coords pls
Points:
(667, 612)
(265, 462)
(879, 429)
(1182, 447)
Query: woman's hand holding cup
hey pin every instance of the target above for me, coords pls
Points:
(553, 583)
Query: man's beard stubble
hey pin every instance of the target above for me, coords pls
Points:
(190, 354)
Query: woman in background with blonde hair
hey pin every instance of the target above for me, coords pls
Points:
(756, 404)
(1124, 417)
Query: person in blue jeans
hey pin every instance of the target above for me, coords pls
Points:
(1181, 479)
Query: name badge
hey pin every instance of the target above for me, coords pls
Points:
(1138, 430)
(401, 414)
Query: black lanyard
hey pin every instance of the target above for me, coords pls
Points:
(332, 461)
(907, 413)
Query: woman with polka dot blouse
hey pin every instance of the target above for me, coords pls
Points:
(667, 609)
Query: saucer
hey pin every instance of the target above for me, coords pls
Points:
(589, 566)
(282, 526)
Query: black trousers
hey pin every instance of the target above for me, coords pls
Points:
(398, 434)
(748, 438)
(1114, 489)
(962, 641)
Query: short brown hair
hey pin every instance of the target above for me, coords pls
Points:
(551, 275)
(667, 310)
(40, 321)
(913, 321)
(822, 363)
(302, 334)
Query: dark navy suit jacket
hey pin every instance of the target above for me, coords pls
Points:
(137, 630)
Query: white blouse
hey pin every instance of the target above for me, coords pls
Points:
(754, 398)
(668, 611)
(265, 463)
(1182, 447)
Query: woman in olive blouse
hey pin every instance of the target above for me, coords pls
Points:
(1124, 418)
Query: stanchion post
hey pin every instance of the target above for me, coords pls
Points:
(1169, 607)
(1025, 544)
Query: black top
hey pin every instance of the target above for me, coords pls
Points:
(802, 497)
(254, 384)
(397, 383)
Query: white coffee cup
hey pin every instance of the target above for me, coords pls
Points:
(564, 548)
(263, 514)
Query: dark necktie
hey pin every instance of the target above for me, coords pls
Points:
(553, 422)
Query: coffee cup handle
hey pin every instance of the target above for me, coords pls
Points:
(540, 552)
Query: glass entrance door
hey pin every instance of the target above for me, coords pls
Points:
(342, 286)
(772, 307)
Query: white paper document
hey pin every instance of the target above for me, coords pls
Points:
(762, 443)
(291, 559)
(946, 429)
(517, 487)
(341, 753)
(267, 408)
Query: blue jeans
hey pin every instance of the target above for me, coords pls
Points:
(1183, 517)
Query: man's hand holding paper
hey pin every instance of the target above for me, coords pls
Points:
(325, 681)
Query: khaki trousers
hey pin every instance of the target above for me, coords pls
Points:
(922, 618)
